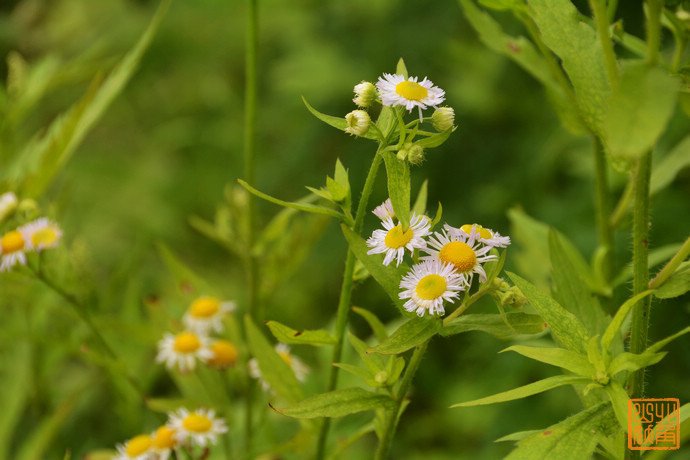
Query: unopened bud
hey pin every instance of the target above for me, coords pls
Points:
(365, 94)
(8, 203)
(443, 119)
(415, 154)
(358, 122)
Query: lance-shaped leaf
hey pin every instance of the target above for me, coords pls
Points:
(566, 359)
(656, 256)
(574, 438)
(434, 140)
(338, 403)
(411, 334)
(419, 206)
(631, 361)
(286, 334)
(336, 122)
(677, 285)
(619, 401)
(527, 390)
(663, 342)
(398, 173)
(274, 370)
(616, 323)
(566, 329)
(503, 327)
(374, 323)
(669, 166)
(531, 238)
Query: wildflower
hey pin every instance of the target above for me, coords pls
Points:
(415, 154)
(206, 314)
(13, 246)
(428, 285)
(42, 234)
(163, 442)
(484, 235)
(8, 203)
(358, 122)
(384, 210)
(393, 240)
(182, 350)
(224, 354)
(443, 119)
(137, 448)
(199, 428)
(464, 252)
(365, 94)
(396, 90)
(298, 367)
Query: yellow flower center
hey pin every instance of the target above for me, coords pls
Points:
(411, 90)
(459, 254)
(431, 287)
(197, 423)
(138, 445)
(204, 307)
(224, 354)
(285, 356)
(164, 438)
(396, 238)
(12, 242)
(44, 237)
(483, 233)
(186, 342)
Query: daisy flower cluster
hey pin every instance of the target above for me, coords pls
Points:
(452, 257)
(184, 430)
(35, 236)
(182, 350)
(300, 369)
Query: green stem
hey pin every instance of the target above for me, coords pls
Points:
(254, 307)
(346, 294)
(671, 266)
(465, 305)
(640, 237)
(393, 416)
(601, 20)
(653, 26)
(602, 206)
(611, 9)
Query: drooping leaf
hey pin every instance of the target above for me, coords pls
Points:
(338, 403)
(527, 390)
(288, 335)
(336, 122)
(566, 329)
(566, 359)
(503, 327)
(409, 335)
(677, 284)
(398, 173)
(669, 166)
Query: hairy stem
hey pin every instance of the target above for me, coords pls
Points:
(653, 26)
(346, 295)
(394, 415)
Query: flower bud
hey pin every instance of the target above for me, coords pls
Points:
(415, 155)
(365, 94)
(443, 119)
(358, 122)
(8, 203)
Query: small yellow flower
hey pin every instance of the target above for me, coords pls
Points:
(198, 428)
(182, 350)
(206, 314)
(137, 448)
(163, 442)
(483, 235)
(396, 90)
(224, 354)
(393, 240)
(42, 234)
(428, 284)
(13, 246)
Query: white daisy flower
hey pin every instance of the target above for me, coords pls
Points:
(393, 241)
(365, 94)
(396, 90)
(42, 234)
(182, 350)
(137, 448)
(384, 210)
(297, 365)
(13, 247)
(464, 252)
(484, 235)
(8, 203)
(199, 428)
(163, 442)
(428, 284)
(206, 314)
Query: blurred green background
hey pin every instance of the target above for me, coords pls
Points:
(172, 142)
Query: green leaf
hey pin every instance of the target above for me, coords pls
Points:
(575, 438)
(312, 208)
(663, 342)
(566, 329)
(409, 335)
(374, 362)
(398, 173)
(183, 275)
(619, 400)
(387, 277)
(419, 206)
(571, 278)
(56, 146)
(566, 359)
(677, 284)
(434, 140)
(656, 256)
(274, 370)
(338, 403)
(576, 44)
(616, 323)
(639, 110)
(43, 435)
(666, 170)
(337, 122)
(531, 238)
(374, 323)
(631, 361)
(517, 436)
(288, 335)
(400, 68)
(503, 327)
(16, 372)
(527, 390)
(357, 371)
